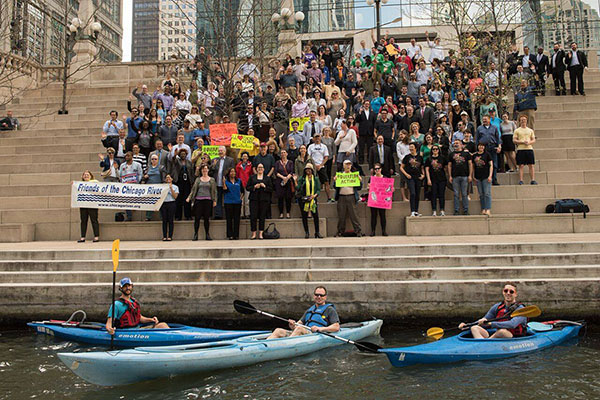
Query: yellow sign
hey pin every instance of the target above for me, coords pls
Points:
(301, 122)
(115, 254)
(212, 151)
(391, 50)
(343, 179)
(242, 142)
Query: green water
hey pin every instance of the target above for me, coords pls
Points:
(29, 369)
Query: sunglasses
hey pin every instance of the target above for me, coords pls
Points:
(509, 291)
(376, 168)
(320, 294)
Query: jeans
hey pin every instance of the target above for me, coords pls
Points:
(484, 188)
(414, 187)
(494, 156)
(459, 185)
(438, 191)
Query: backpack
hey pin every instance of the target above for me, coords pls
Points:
(271, 233)
(568, 206)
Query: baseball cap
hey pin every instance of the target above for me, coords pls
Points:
(125, 281)
(454, 103)
(347, 162)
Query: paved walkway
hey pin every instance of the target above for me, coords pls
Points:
(327, 242)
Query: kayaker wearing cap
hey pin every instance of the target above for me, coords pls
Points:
(127, 311)
(320, 317)
(506, 328)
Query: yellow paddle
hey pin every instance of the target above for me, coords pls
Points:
(529, 312)
(115, 261)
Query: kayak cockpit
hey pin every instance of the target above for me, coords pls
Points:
(467, 336)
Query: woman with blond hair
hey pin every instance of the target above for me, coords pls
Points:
(91, 213)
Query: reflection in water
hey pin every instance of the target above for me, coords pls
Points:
(30, 369)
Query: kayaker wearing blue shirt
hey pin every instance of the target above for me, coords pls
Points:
(507, 328)
(127, 311)
(320, 317)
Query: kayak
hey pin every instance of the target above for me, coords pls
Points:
(96, 334)
(463, 347)
(111, 368)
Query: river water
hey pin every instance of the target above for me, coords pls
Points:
(29, 369)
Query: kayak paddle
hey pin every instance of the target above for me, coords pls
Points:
(529, 312)
(115, 261)
(247, 308)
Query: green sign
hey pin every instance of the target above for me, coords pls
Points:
(343, 179)
(212, 151)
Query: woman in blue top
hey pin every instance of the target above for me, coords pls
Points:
(154, 174)
(233, 193)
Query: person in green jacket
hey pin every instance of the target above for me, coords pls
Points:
(307, 191)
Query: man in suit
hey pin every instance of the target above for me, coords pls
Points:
(119, 143)
(161, 152)
(366, 119)
(426, 116)
(527, 59)
(382, 154)
(576, 64)
(557, 68)
(542, 69)
(218, 171)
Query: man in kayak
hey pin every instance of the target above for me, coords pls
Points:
(320, 317)
(127, 311)
(506, 328)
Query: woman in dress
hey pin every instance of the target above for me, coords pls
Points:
(260, 187)
(284, 174)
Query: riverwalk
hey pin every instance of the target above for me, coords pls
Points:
(396, 278)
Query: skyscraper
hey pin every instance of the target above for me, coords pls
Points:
(145, 29)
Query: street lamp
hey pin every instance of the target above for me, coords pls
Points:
(377, 4)
(287, 19)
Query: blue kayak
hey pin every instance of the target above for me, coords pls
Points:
(96, 334)
(463, 347)
(110, 368)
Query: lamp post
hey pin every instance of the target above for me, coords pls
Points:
(287, 19)
(377, 4)
(77, 32)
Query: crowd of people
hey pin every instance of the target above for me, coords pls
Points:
(434, 123)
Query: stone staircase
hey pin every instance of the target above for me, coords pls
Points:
(38, 163)
(392, 278)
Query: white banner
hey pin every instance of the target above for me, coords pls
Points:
(120, 196)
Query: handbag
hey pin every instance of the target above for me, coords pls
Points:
(271, 233)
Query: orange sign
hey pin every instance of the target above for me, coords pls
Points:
(220, 134)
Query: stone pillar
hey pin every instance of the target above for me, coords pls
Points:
(288, 39)
(85, 50)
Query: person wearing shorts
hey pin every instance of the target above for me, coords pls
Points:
(524, 138)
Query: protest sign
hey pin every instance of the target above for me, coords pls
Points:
(345, 179)
(242, 142)
(212, 151)
(301, 122)
(220, 134)
(391, 50)
(120, 196)
(381, 192)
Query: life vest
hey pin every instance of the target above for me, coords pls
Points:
(131, 316)
(502, 311)
(315, 315)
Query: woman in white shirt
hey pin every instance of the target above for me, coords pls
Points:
(346, 141)
(337, 124)
(324, 117)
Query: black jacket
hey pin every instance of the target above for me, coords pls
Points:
(542, 66)
(366, 126)
(388, 159)
(262, 194)
(559, 62)
(427, 121)
(580, 56)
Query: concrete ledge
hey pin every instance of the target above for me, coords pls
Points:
(14, 233)
(502, 224)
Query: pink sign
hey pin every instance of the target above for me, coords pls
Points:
(381, 192)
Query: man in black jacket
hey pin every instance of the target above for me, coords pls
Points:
(366, 119)
(557, 68)
(426, 117)
(541, 68)
(576, 63)
(382, 154)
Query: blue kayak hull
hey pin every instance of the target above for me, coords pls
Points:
(135, 337)
(462, 348)
(111, 368)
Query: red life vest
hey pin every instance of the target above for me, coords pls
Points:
(131, 316)
(502, 311)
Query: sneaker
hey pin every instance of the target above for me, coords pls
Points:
(442, 213)
(331, 201)
(417, 214)
(520, 182)
(412, 214)
(434, 214)
(534, 183)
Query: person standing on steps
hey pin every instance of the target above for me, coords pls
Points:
(203, 198)
(234, 192)
(128, 311)
(260, 187)
(320, 317)
(576, 64)
(130, 172)
(460, 171)
(524, 138)
(346, 198)
(167, 210)
(557, 68)
(505, 328)
(219, 166)
(435, 169)
(91, 213)
(307, 192)
(378, 211)
(182, 172)
(412, 169)
(483, 171)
